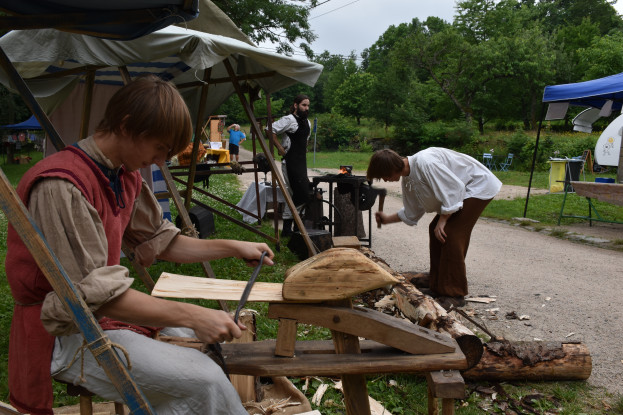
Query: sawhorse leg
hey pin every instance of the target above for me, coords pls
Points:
(355, 386)
(447, 385)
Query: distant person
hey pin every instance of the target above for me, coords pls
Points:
(295, 130)
(456, 187)
(236, 137)
(87, 200)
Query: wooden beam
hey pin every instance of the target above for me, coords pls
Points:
(18, 83)
(369, 324)
(318, 358)
(183, 213)
(87, 104)
(248, 77)
(276, 174)
(197, 142)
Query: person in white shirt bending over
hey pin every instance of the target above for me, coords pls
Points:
(456, 187)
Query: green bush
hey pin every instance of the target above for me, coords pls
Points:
(335, 132)
(453, 134)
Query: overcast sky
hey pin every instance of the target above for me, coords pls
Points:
(343, 26)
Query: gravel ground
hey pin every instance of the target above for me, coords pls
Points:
(570, 288)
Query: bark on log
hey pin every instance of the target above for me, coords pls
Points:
(532, 361)
(426, 312)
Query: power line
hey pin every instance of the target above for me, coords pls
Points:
(319, 4)
(331, 11)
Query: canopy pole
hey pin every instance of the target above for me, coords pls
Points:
(284, 191)
(207, 73)
(269, 127)
(18, 83)
(536, 147)
(87, 104)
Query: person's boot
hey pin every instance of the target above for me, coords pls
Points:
(286, 230)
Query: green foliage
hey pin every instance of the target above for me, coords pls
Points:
(352, 96)
(454, 134)
(13, 108)
(273, 21)
(335, 132)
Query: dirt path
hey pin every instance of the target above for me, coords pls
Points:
(571, 290)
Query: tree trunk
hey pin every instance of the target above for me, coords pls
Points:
(532, 361)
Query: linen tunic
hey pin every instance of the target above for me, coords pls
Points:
(440, 179)
(76, 235)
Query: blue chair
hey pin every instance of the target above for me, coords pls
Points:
(487, 160)
(506, 163)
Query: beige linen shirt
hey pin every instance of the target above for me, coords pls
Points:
(76, 235)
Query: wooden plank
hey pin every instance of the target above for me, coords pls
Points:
(370, 324)
(318, 358)
(605, 192)
(183, 286)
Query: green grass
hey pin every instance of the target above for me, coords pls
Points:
(400, 393)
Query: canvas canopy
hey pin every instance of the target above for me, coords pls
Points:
(116, 19)
(177, 54)
(29, 124)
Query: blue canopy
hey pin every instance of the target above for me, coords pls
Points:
(594, 93)
(29, 124)
(111, 19)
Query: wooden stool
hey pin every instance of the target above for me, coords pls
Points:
(447, 385)
(86, 399)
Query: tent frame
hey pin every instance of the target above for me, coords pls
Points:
(18, 216)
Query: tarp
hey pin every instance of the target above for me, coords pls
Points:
(114, 19)
(593, 93)
(177, 54)
(29, 124)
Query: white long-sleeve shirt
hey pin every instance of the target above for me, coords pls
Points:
(287, 124)
(440, 179)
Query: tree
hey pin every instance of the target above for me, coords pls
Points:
(352, 96)
(277, 21)
(604, 57)
(336, 77)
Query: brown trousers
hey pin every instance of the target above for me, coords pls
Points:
(447, 260)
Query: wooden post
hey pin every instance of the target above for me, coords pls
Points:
(271, 160)
(87, 104)
(447, 385)
(286, 337)
(246, 385)
(19, 84)
(177, 199)
(197, 142)
(355, 387)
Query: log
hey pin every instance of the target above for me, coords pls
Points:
(424, 311)
(334, 274)
(532, 361)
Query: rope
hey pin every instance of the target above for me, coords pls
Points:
(106, 343)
